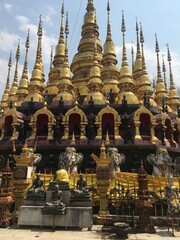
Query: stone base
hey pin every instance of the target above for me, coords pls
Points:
(80, 217)
(28, 202)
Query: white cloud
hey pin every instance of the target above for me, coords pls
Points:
(8, 41)
(47, 17)
(8, 6)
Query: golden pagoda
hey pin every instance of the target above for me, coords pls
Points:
(126, 82)
(160, 92)
(110, 72)
(36, 85)
(22, 91)
(14, 88)
(173, 100)
(55, 70)
(64, 84)
(4, 99)
(137, 71)
(83, 60)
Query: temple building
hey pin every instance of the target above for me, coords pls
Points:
(90, 99)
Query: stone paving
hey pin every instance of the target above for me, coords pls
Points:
(14, 233)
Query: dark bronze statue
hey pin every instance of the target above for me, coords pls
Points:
(81, 183)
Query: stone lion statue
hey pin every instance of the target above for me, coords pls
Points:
(161, 162)
(70, 159)
(117, 160)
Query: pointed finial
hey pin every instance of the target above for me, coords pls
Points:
(67, 25)
(108, 23)
(141, 34)
(27, 45)
(123, 30)
(170, 68)
(132, 49)
(10, 60)
(137, 27)
(61, 37)
(18, 51)
(159, 77)
(8, 76)
(108, 6)
(123, 26)
(90, 5)
(164, 71)
(62, 9)
(66, 45)
(142, 49)
(168, 53)
(132, 53)
(163, 64)
(39, 33)
(157, 45)
(137, 34)
(51, 57)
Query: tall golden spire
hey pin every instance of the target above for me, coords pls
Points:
(36, 85)
(4, 100)
(110, 73)
(54, 74)
(126, 82)
(65, 85)
(83, 60)
(145, 85)
(138, 62)
(160, 92)
(51, 66)
(173, 100)
(95, 83)
(23, 84)
(14, 87)
(164, 71)
(132, 54)
(51, 58)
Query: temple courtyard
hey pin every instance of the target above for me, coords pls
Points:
(14, 233)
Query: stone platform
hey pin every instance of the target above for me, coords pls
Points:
(78, 217)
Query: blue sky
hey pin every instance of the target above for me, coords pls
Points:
(157, 16)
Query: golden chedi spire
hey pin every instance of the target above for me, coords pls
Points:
(83, 60)
(14, 88)
(126, 82)
(144, 85)
(36, 85)
(51, 58)
(132, 54)
(23, 84)
(54, 74)
(138, 63)
(160, 91)
(65, 85)
(173, 100)
(5, 96)
(164, 71)
(95, 83)
(51, 66)
(110, 73)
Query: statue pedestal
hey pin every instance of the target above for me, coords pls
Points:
(80, 217)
